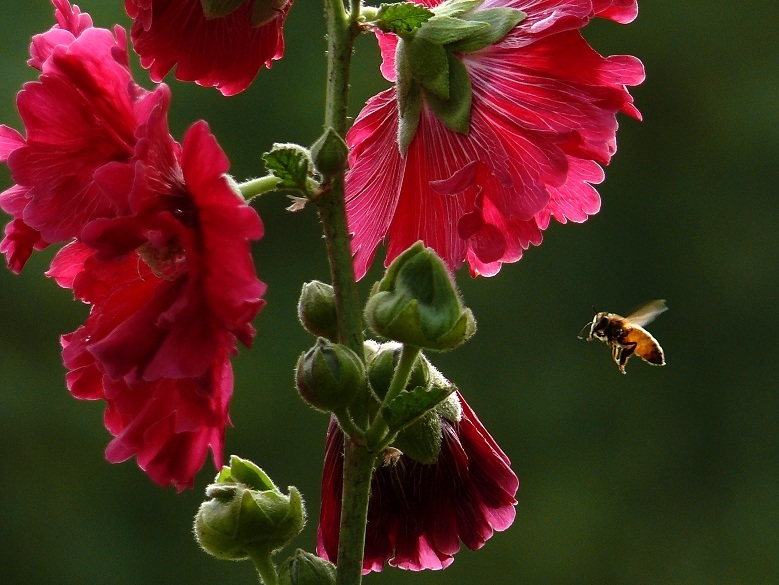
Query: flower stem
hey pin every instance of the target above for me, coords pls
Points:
(254, 187)
(400, 378)
(342, 30)
(265, 567)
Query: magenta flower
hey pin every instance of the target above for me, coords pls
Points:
(80, 117)
(225, 52)
(160, 246)
(171, 288)
(543, 118)
(418, 513)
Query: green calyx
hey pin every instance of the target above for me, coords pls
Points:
(246, 515)
(417, 303)
(429, 69)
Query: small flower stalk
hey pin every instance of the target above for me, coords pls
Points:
(417, 303)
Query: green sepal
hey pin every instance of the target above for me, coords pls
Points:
(245, 472)
(219, 8)
(443, 30)
(267, 10)
(408, 407)
(292, 164)
(421, 440)
(402, 18)
(457, 8)
(499, 20)
(409, 99)
(429, 65)
(454, 113)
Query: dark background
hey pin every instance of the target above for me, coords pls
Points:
(664, 476)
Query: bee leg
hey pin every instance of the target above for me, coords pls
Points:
(626, 351)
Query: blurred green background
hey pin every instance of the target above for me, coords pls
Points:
(666, 476)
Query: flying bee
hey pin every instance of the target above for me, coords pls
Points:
(626, 335)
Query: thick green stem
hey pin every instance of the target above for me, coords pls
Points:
(342, 29)
(358, 471)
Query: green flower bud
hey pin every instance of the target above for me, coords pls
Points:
(316, 310)
(329, 376)
(246, 514)
(304, 568)
(382, 367)
(329, 153)
(416, 303)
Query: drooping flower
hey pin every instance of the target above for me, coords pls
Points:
(542, 121)
(224, 51)
(80, 118)
(419, 513)
(172, 288)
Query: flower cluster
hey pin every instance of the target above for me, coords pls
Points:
(157, 245)
(542, 120)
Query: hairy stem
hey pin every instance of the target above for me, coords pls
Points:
(342, 29)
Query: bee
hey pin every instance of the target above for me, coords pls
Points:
(626, 335)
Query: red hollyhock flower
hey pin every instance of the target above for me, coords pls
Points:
(80, 117)
(225, 52)
(543, 118)
(418, 513)
(172, 286)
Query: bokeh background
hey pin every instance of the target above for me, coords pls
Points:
(666, 476)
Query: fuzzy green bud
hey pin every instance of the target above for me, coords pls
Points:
(316, 310)
(329, 153)
(304, 568)
(417, 303)
(246, 514)
(329, 376)
(381, 369)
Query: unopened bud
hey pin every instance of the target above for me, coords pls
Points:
(316, 310)
(329, 153)
(329, 376)
(246, 514)
(381, 369)
(304, 568)
(416, 303)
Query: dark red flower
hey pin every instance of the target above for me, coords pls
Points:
(225, 52)
(171, 287)
(418, 513)
(543, 118)
(80, 117)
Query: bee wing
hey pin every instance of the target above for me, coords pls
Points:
(647, 312)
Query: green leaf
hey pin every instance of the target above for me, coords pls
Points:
(429, 65)
(219, 8)
(454, 113)
(410, 406)
(402, 18)
(291, 163)
(456, 8)
(500, 20)
(443, 30)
